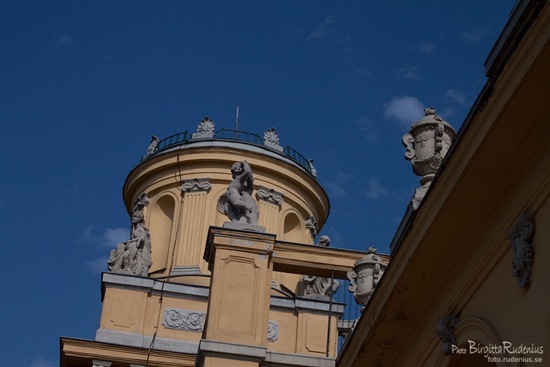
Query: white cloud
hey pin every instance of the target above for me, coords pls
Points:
(322, 29)
(366, 125)
(405, 110)
(109, 238)
(456, 96)
(362, 73)
(98, 265)
(475, 34)
(426, 48)
(61, 40)
(113, 236)
(409, 72)
(374, 190)
(39, 361)
(337, 187)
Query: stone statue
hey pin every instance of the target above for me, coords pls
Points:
(237, 202)
(365, 275)
(318, 287)
(312, 168)
(134, 256)
(311, 224)
(152, 146)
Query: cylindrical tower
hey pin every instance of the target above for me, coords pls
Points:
(186, 175)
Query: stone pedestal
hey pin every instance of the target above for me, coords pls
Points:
(238, 310)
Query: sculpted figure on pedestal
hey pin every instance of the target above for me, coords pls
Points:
(318, 287)
(237, 202)
(152, 146)
(134, 256)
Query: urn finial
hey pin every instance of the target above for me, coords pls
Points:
(427, 144)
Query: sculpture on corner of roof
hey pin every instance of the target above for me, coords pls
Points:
(237, 202)
(134, 256)
(427, 144)
(365, 275)
(315, 287)
(152, 146)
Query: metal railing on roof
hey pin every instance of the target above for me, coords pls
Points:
(233, 135)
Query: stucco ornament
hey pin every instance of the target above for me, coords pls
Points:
(318, 287)
(134, 256)
(196, 184)
(365, 275)
(270, 195)
(271, 136)
(446, 332)
(272, 331)
(237, 202)
(152, 147)
(206, 126)
(271, 139)
(521, 237)
(177, 318)
(205, 129)
(427, 144)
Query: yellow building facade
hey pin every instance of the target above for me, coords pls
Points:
(466, 283)
(215, 290)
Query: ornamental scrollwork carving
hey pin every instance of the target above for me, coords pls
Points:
(270, 195)
(176, 318)
(272, 331)
(196, 184)
(446, 332)
(521, 237)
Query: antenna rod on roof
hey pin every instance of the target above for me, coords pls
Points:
(237, 124)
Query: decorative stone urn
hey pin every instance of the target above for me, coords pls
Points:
(427, 144)
(364, 276)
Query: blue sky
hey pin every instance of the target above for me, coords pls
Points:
(84, 84)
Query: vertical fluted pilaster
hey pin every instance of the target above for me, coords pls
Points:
(269, 202)
(193, 230)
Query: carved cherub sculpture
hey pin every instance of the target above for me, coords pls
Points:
(237, 202)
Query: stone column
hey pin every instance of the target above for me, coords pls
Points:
(188, 251)
(238, 309)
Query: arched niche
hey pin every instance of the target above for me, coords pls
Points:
(293, 228)
(473, 330)
(161, 220)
